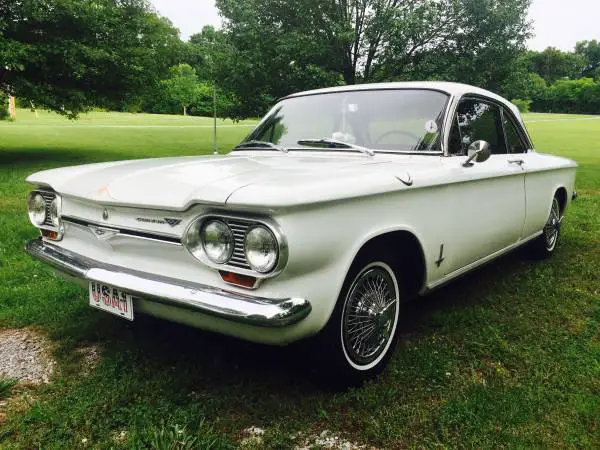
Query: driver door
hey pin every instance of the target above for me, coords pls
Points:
(486, 207)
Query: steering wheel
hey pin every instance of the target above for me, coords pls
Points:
(405, 133)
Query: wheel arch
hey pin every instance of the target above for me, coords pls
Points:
(561, 193)
(406, 245)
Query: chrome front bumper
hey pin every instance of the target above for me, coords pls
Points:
(264, 312)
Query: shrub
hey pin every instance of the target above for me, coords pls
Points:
(570, 96)
(523, 105)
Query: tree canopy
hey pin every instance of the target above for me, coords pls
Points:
(553, 64)
(68, 55)
(590, 52)
(287, 44)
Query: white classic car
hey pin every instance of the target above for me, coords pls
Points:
(339, 206)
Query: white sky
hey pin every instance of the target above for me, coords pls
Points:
(557, 23)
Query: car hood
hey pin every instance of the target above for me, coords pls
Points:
(249, 179)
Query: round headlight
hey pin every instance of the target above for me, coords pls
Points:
(261, 249)
(36, 206)
(55, 212)
(217, 241)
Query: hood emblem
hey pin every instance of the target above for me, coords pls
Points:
(407, 181)
(105, 214)
(103, 233)
(164, 221)
(172, 222)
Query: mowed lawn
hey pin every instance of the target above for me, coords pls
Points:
(508, 356)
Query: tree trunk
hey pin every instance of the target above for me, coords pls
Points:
(12, 110)
(349, 72)
(184, 110)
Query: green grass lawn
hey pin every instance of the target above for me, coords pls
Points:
(508, 356)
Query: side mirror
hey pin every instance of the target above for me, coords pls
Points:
(478, 151)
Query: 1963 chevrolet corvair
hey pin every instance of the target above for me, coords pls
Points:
(339, 206)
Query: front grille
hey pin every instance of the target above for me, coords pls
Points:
(48, 197)
(239, 227)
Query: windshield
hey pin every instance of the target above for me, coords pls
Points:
(395, 120)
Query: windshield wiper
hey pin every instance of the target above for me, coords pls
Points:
(334, 143)
(258, 144)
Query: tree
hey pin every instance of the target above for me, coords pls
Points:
(553, 64)
(522, 83)
(207, 50)
(590, 51)
(68, 55)
(370, 40)
(182, 86)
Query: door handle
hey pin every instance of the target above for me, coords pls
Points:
(520, 162)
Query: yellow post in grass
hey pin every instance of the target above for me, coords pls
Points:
(12, 110)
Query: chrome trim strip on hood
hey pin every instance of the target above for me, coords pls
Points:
(119, 231)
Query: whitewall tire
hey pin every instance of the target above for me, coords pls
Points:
(362, 332)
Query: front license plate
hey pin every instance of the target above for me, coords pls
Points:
(111, 299)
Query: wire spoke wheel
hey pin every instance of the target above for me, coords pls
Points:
(552, 227)
(370, 315)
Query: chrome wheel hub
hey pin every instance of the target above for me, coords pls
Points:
(552, 228)
(369, 315)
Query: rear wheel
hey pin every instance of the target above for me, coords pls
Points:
(360, 336)
(543, 246)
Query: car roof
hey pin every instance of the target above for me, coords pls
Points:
(454, 89)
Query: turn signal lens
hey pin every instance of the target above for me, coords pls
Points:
(52, 235)
(237, 279)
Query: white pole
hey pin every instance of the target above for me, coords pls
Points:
(215, 151)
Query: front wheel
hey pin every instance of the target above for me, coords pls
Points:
(543, 246)
(360, 336)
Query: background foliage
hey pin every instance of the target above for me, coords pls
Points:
(72, 55)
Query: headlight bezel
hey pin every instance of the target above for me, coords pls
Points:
(54, 212)
(51, 227)
(250, 220)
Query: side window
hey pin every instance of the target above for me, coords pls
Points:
(454, 142)
(480, 121)
(513, 139)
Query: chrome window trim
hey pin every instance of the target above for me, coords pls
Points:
(455, 101)
(270, 224)
(510, 117)
(440, 152)
(343, 150)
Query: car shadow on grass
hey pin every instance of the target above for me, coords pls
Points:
(467, 290)
(156, 371)
(210, 360)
